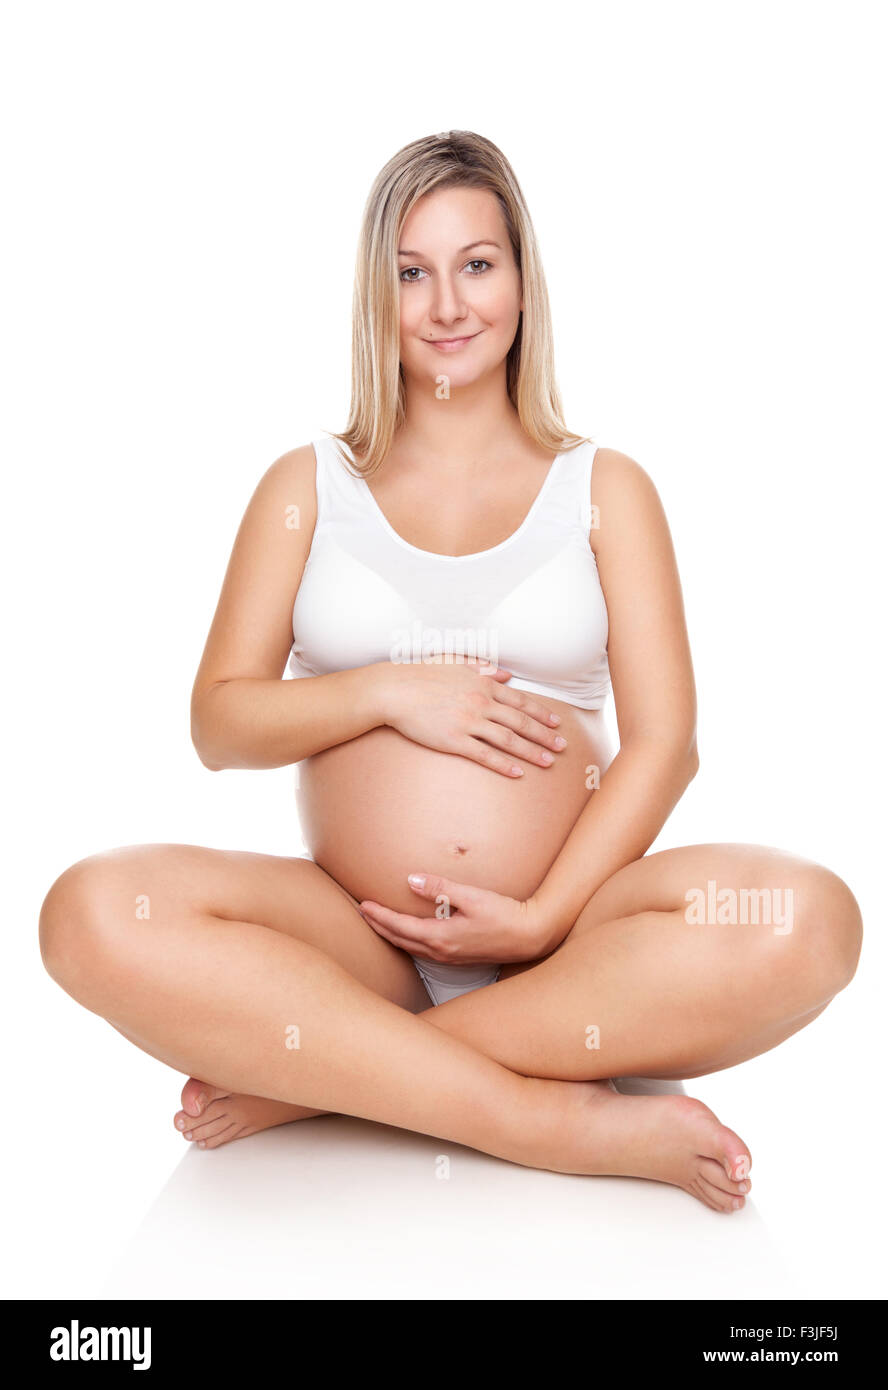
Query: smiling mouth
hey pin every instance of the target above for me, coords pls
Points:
(450, 342)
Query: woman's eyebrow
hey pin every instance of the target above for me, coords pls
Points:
(471, 246)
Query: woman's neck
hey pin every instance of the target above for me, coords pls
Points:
(454, 434)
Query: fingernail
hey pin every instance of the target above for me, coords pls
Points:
(546, 758)
(416, 880)
(180, 1124)
(744, 1187)
(189, 1135)
(560, 742)
(517, 771)
(554, 719)
(202, 1098)
(201, 1143)
(736, 1204)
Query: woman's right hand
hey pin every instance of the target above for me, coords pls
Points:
(465, 707)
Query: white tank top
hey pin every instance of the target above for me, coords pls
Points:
(532, 604)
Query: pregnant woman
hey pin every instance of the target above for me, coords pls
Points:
(479, 943)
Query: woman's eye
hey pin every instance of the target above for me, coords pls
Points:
(410, 275)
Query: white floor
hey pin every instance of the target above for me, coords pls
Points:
(336, 1207)
(103, 1198)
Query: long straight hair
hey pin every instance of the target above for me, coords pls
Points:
(455, 159)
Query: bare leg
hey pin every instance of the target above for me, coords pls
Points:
(268, 1015)
(637, 989)
(237, 1001)
(257, 886)
(212, 1116)
(626, 937)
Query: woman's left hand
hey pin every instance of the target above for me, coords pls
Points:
(471, 926)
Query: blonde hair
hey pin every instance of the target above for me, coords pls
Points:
(454, 159)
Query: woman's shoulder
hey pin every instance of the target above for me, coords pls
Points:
(296, 462)
(619, 474)
(286, 487)
(622, 489)
(294, 468)
(613, 466)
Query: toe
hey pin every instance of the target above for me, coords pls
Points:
(737, 1161)
(224, 1136)
(196, 1095)
(704, 1193)
(714, 1173)
(730, 1152)
(718, 1198)
(213, 1125)
(715, 1140)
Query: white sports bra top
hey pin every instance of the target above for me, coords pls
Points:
(532, 604)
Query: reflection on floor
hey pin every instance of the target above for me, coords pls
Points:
(334, 1207)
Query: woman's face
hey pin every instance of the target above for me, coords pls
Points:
(458, 280)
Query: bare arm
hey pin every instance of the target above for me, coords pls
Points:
(244, 715)
(653, 684)
(269, 723)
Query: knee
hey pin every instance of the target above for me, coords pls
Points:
(842, 928)
(72, 944)
(828, 932)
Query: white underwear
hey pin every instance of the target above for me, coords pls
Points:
(445, 982)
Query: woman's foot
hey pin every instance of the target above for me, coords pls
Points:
(211, 1116)
(674, 1139)
(577, 1127)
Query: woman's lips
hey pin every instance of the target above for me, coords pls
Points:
(450, 344)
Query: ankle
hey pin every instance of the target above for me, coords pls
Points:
(534, 1121)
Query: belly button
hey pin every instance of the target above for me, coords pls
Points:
(458, 848)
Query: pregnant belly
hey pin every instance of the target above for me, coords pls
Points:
(380, 806)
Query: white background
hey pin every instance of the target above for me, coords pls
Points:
(184, 186)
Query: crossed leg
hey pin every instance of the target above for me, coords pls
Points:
(637, 988)
(238, 946)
